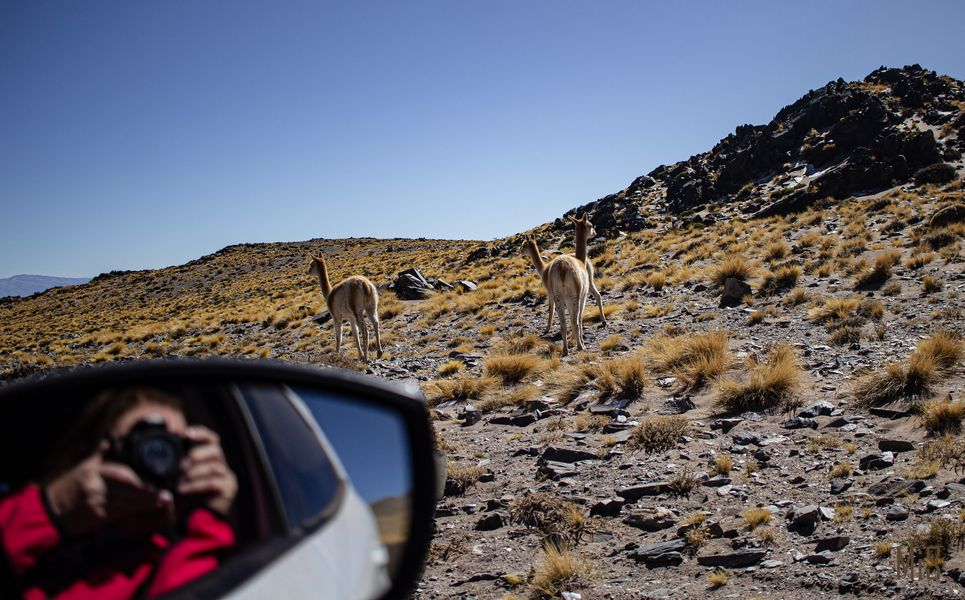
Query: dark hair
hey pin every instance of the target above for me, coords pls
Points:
(95, 423)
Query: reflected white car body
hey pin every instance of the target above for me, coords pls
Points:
(343, 560)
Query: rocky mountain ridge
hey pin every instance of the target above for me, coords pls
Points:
(844, 139)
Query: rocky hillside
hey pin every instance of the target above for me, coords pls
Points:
(842, 140)
(773, 409)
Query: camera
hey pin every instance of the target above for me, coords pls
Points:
(152, 451)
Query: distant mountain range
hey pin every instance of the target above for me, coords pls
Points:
(25, 285)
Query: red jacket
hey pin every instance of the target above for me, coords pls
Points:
(28, 536)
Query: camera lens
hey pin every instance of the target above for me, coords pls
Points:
(159, 456)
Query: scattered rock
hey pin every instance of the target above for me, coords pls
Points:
(651, 551)
(897, 512)
(800, 423)
(651, 519)
(634, 493)
(876, 462)
(411, 284)
(491, 522)
(610, 507)
(733, 560)
(734, 292)
(833, 543)
(893, 445)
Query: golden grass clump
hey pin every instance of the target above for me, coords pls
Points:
(450, 367)
(880, 271)
(732, 267)
(513, 368)
(460, 388)
(718, 578)
(723, 464)
(834, 309)
(931, 284)
(768, 384)
(932, 360)
(843, 512)
(940, 417)
(623, 377)
(613, 342)
(683, 483)
(756, 517)
(941, 533)
(841, 469)
(776, 250)
(782, 277)
(555, 517)
(659, 433)
(463, 478)
(882, 549)
(570, 381)
(561, 569)
(693, 359)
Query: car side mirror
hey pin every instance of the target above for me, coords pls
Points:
(242, 479)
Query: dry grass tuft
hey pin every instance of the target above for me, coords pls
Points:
(770, 384)
(684, 483)
(556, 518)
(718, 578)
(782, 277)
(513, 368)
(882, 549)
(659, 433)
(736, 267)
(756, 517)
(776, 251)
(880, 271)
(933, 360)
(940, 417)
(460, 388)
(623, 377)
(450, 367)
(561, 569)
(931, 284)
(841, 469)
(945, 451)
(463, 478)
(693, 359)
(723, 464)
(941, 534)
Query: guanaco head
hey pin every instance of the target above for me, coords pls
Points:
(317, 263)
(581, 222)
(529, 247)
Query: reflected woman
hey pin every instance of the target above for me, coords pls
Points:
(96, 528)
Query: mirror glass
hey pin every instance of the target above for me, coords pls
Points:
(258, 487)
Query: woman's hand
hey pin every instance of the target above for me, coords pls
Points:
(205, 471)
(96, 492)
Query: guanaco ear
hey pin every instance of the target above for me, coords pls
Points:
(571, 219)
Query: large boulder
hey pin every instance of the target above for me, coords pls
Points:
(411, 284)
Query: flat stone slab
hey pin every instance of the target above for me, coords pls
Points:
(733, 560)
(634, 493)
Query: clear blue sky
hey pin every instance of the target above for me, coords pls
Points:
(139, 134)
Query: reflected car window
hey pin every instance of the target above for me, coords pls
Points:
(306, 479)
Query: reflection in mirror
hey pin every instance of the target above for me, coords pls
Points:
(158, 487)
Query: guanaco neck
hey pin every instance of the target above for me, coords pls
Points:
(323, 279)
(580, 243)
(536, 259)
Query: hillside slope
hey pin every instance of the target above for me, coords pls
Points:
(834, 380)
